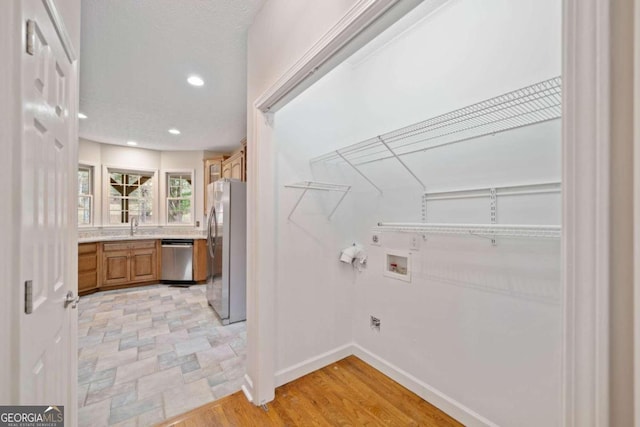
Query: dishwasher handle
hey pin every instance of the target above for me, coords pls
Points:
(185, 245)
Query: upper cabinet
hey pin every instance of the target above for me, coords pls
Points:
(235, 166)
(212, 173)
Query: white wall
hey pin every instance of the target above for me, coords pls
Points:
(280, 34)
(98, 155)
(480, 324)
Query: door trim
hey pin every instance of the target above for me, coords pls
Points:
(636, 213)
(585, 216)
(352, 23)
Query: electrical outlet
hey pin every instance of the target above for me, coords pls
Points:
(374, 323)
(415, 242)
(375, 239)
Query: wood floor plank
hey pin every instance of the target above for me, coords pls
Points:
(409, 403)
(346, 393)
(369, 398)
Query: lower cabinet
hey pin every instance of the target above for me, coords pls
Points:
(132, 262)
(144, 263)
(88, 267)
(200, 260)
(110, 265)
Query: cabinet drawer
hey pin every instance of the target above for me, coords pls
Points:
(143, 244)
(87, 248)
(120, 246)
(87, 281)
(87, 262)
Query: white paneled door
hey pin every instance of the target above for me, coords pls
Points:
(47, 234)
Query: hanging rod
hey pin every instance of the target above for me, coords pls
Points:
(320, 186)
(534, 104)
(489, 230)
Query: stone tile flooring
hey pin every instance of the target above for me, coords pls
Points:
(149, 353)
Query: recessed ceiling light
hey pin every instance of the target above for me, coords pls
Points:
(195, 81)
(174, 131)
(132, 143)
(82, 116)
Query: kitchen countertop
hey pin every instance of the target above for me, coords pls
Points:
(93, 239)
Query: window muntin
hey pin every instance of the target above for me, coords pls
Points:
(130, 194)
(179, 198)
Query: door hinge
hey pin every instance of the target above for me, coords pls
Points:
(28, 296)
(31, 36)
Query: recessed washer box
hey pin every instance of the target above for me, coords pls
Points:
(397, 265)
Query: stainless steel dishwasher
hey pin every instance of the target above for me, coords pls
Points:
(177, 260)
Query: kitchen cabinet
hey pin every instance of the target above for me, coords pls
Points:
(213, 171)
(88, 267)
(130, 262)
(123, 263)
(200, 260)
(116, 266)
(235, 166)
(144, 263)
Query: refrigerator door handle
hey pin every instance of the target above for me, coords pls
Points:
(211, 239)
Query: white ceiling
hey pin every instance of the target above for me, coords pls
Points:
(135, 58)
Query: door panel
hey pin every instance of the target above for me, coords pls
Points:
(116, 266)
(143, 264)
(47, 234)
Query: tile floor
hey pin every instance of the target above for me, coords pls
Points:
(147, 354)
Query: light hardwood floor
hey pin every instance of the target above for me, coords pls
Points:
(346, 393)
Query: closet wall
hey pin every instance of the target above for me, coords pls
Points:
(479, 324)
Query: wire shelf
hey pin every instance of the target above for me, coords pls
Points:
(319, 186)
(316, 185)
(489, 231)
(530, 105)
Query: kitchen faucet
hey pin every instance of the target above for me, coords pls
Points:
(133, 221)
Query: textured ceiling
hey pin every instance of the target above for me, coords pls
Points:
(135, 59)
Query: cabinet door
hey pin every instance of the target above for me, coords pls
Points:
(215, 171)
(200, 260)
(212, 173)
(144, 265)
(236, 168)
(87, 267)
(226, 169)
(116, 267)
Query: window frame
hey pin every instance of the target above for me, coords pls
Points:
(106, 171)
(165, 190)
(92, 193)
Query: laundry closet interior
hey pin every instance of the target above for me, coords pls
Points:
(437, 148)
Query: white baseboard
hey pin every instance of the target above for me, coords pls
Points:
(438, 399)
(247, 388)
(313, 364)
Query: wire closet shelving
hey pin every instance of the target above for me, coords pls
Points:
(489, 231)
(319, 186)
(537, 103)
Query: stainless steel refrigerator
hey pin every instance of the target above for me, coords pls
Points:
(227, 243)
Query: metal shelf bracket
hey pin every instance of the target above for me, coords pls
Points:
(319, 186)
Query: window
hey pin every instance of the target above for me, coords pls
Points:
(130, 194)
(85, 195)
(179, 198)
